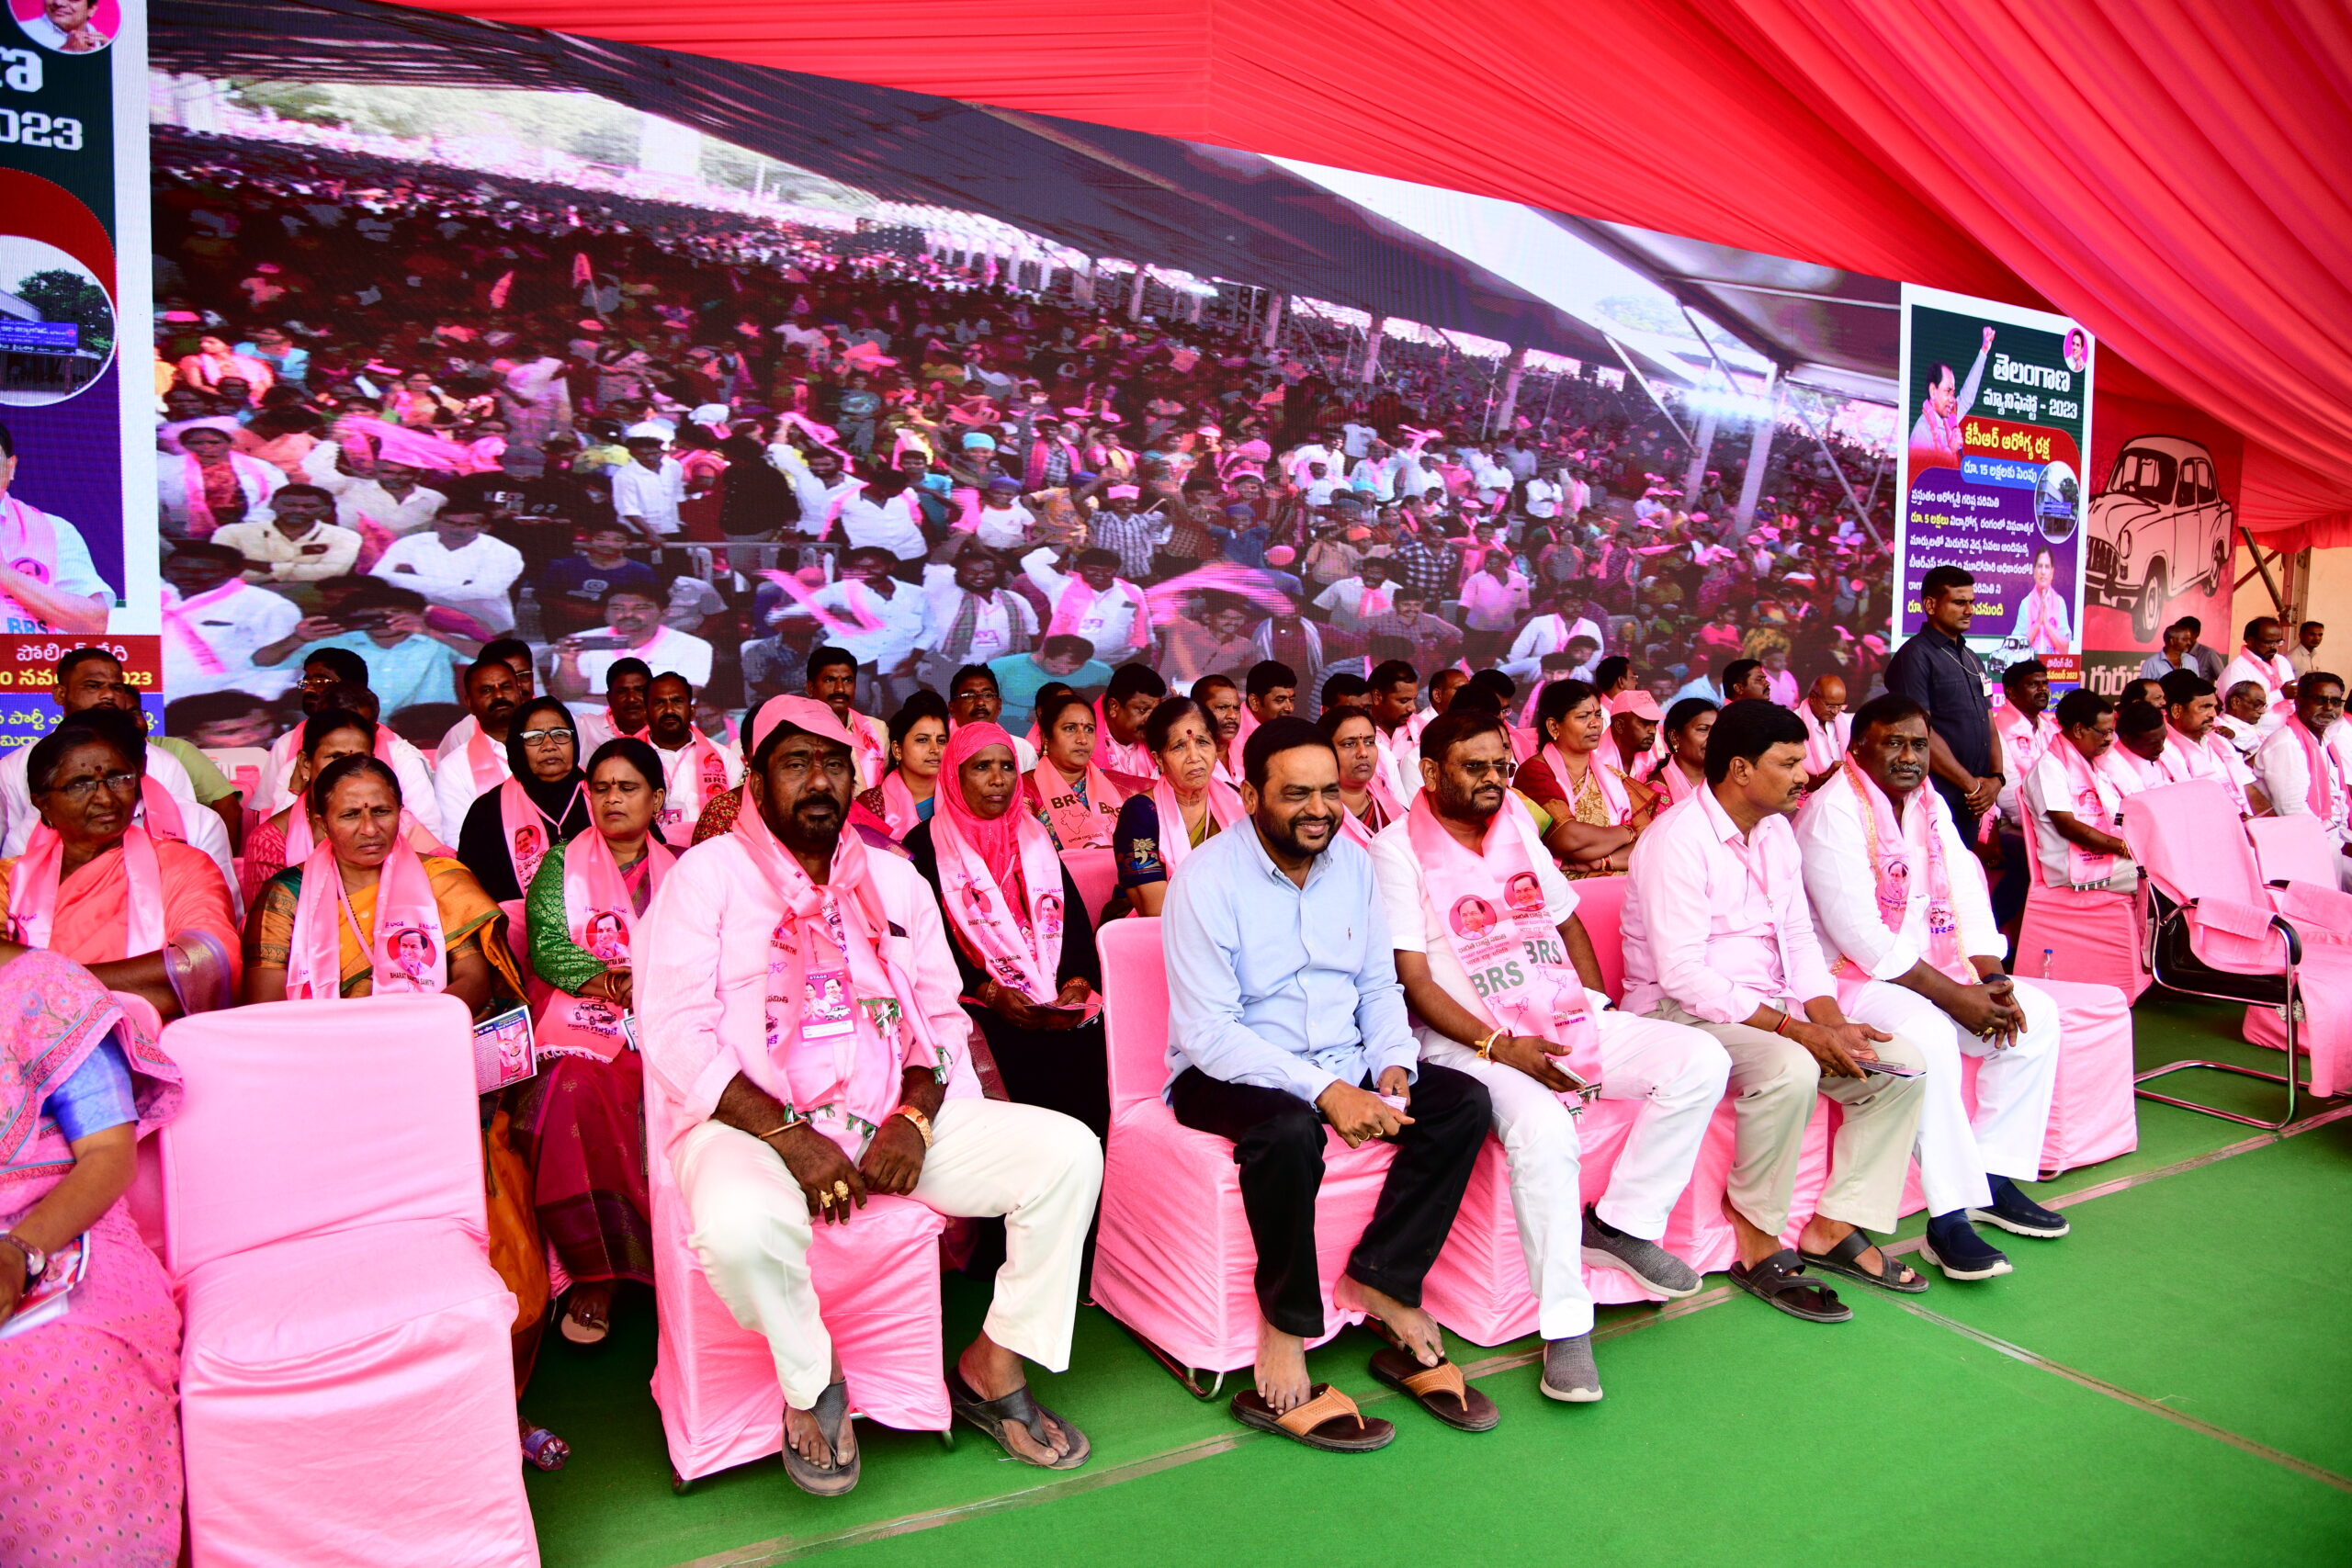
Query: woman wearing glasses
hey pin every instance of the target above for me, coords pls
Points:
(511, 829)
(142, 913)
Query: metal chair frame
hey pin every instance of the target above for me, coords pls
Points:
(2174, 919)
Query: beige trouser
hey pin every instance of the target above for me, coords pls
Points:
(1038, 1168)
(1774, 1081)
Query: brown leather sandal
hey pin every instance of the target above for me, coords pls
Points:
(1441, 1390)
(1328, 1421)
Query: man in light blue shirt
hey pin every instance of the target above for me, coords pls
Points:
(1284, 1016)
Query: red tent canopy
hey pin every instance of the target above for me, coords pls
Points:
(2159, 169)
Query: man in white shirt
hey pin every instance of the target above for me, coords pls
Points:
(2260, 661)
(1536, 1039)
(389, 498)
(65, 595)
(882, 622)
(1546, 634)
(633, 630)
(1828, 728)
(2299, 769)
(1934, 973)
(2135, 761)
(2240, 724)
(974, 617)
(2025, 727)
(1717, 934)
(2304, 655)
(88, 678)
(2073, 803)
(696, 769)
(1095, 603)
(293, 541)
(1003, 522)
(480, 764)
(1349, 602)
(456, 563)
(1331, 451)
(649, 488)
(213, 619)
(2194, 751)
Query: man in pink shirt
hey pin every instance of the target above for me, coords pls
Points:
(802, 1035)
(2194, 750)
(1718, 935)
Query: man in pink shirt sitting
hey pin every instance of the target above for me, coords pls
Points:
(800, 1022)
(1718, 935)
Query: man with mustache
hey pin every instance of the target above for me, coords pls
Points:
(804, 1048)
(1285, 1017)
(1907, 927)
(480, 765)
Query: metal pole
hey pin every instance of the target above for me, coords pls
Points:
(1627, 361)
(1839, 470)
(1135, 295)
(1696, 474)
(1275, 305)
(1511, 379)
(1759, 454)
(1372, 350)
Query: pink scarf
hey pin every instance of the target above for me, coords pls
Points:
(32, 892)
(2044, 631)
(1491, 906)
(1130, 757)
(1670, 778)
(2184, 760)
(2095, 802)
(2323, 793)
(1821, 748)
(179, 621)
(201, 522)
(530, 832)
(843, 1017)
(710, 774)
(1175, 838)
(1888, 846)
(487, 760)
(1612, 787)
(1014, 933)
(1079, 824)
(406, 951)
(28, 543)
(1384, 803)
(1073, 605)
(601, 916)
(901, 810)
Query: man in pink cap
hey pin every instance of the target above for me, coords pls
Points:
(802, 1033)
(1633, 718)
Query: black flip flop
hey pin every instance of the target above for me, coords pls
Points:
(1439, 1390)
(1844, 1260)
(1328, 1421)
(993, 1415)
(832, 1479)
(1780, 1282)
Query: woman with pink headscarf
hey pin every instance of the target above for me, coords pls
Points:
(1019, 929)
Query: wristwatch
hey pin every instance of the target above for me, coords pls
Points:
(35, 1260)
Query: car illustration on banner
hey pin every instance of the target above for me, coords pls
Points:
(2158, 529)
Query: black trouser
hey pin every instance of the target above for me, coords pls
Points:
(1278, 1142)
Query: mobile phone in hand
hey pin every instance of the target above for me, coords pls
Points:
(1890, 1069)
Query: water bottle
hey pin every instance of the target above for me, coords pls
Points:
(2048, 963)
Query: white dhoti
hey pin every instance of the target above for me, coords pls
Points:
(1039, 1169)
(2014, 1089)
(1677, 1070)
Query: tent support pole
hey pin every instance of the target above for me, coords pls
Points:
(1759, 454)
(1839, 470)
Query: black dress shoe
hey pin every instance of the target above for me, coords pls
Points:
(2020, 1216)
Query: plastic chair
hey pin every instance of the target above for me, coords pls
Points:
(241, 765)
(2091, 934)
(1096, 873)
(715, 1381)
(346, 1387)
(2217, 931)
(1174, 1258)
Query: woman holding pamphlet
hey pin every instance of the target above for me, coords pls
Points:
(89, 1338)
(581, 1124)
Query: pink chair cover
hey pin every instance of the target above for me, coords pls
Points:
(518, 934)
(347, 1388)
(1174, 1258)
(1096, 872)
(1600, 905)
(715, 1381)
(2094, 937)
(2179, 834)
(144, 1202)
(2292, 849)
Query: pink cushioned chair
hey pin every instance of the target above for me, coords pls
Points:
(2092, 935)
(715, 1380)
(346, 1387)
(2219, 932)
(1175, 1258)
(1096, 872)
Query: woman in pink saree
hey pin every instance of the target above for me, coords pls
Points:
(89, 1426)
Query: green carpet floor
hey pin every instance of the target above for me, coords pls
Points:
(2171, 1385)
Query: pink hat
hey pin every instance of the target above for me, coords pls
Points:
(1641, 704)
(1123, 492)
(801, 713)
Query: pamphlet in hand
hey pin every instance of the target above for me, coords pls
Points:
(503, 1052)
(46, 1302)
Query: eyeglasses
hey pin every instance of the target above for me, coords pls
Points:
(78, 790)
(537, 737)
(1499, 772)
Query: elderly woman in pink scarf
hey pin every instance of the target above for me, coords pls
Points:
(89, 1426)
(1018, 930)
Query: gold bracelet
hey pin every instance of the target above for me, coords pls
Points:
(922, 1122)
(1485, 1046)
(784, 1127)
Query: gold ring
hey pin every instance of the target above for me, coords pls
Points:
(824, 1199)
(840, 1192)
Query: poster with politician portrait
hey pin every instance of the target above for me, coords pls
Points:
(1998, 413)
(77, 520)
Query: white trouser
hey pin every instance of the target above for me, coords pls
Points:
(1676, 1071)
(2014, 1088)
(1038, 1168)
